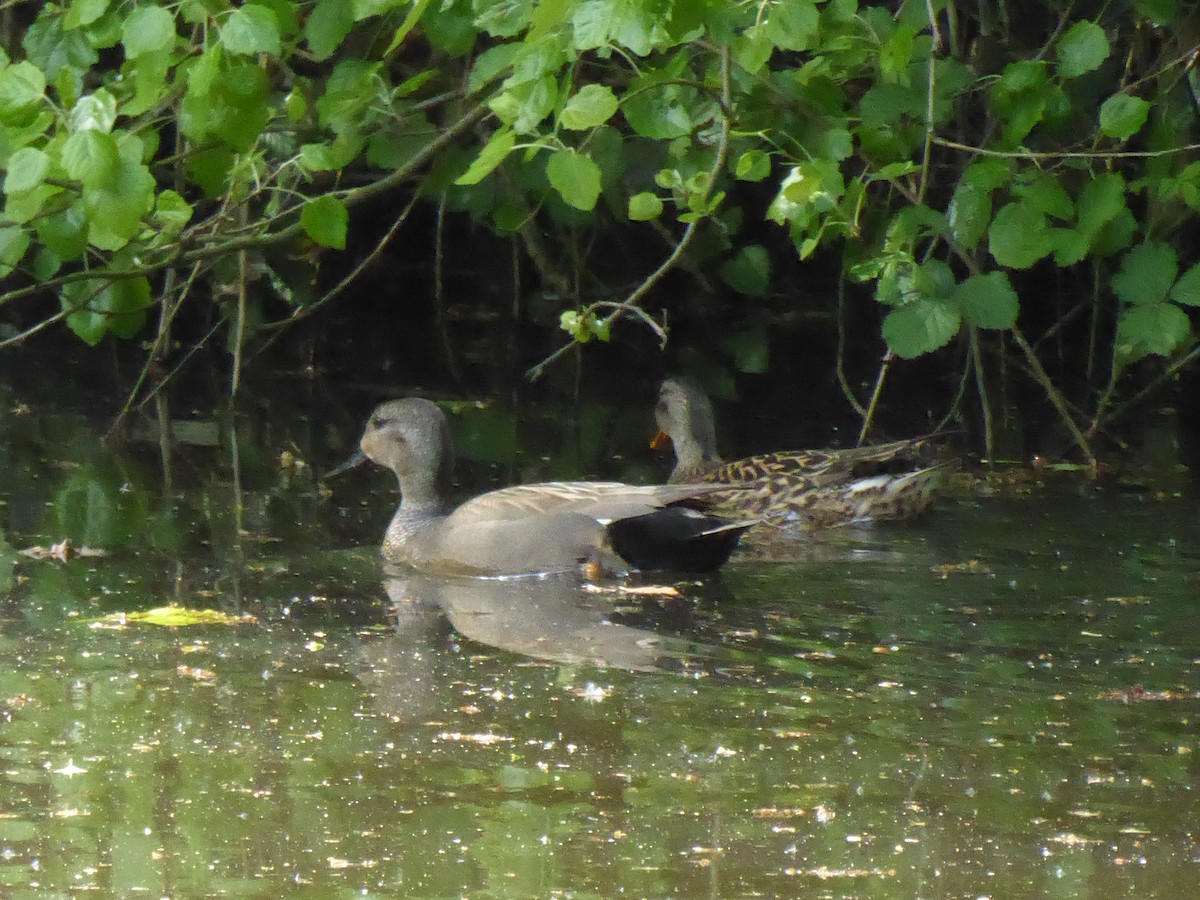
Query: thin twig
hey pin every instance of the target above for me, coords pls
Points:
(630, 305)
(1056, 398)
(870, 413)
(1082, 154)
(956, 404)
(989, 442)
(166, 317)
(840, 362)
(239, 332)
(439, 293)
(303, 312)
(927, 151)
(1137, 399)
(30, 332)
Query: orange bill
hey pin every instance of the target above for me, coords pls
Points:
(660, 440)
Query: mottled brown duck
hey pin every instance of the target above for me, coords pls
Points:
(534, 528)
(798, 488)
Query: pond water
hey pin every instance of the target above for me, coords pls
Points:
(997, 701)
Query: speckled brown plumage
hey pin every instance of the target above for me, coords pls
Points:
(801, 488)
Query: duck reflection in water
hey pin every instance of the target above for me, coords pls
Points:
(554, 618)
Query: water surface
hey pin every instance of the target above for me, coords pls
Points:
(999, 700)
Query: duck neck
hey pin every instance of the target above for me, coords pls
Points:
(693, 459)
(420, 504)
(420, 495)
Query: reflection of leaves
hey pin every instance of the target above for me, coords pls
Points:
(970, 567)
(7, 560)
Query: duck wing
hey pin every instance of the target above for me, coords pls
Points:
(601, 500)
(809, 469)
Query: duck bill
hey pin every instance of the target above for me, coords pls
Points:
(357, 458)
(660, 441)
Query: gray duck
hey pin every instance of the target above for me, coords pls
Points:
(599, 526)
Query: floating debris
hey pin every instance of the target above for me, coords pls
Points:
(62, 551)
(970, 567)
(172, 617)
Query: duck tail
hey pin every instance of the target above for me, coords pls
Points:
(675, 538)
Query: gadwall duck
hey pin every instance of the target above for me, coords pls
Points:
(807, 488)
(600, 526)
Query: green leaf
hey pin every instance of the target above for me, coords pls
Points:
(793, 24)
(410, 21)
(1160, 12)
(96, 111)
(27, 169)
(1187, 288)
(147, 29)
(327, 26)
(921, 326)
(1018, 236)
(349, 91)
(98, 308)
(1122, 116)
(325, 157)
(753, 165)
(896, 54)
(115, 210)
(79, 296)
(576, 178)
(1081, 49)
(988, 301)
(13, 244)
(644, 206)
(63, 56)
(22, 90)
(969, 213)
(64, 233)
(1047, 195)
(149, 76)
(1116, 235)
(491, 64)
(1158, 328)
(524, 106)
(1101, 200)
(503, 18)
(494, 152)
(171, 212)
(752, 48)
(933, 279)
(988, 174)
(251, 29)
(749, 272)
(658, 112)
(594, 105)
(125, 302)
(90, 157)
(1021, 96)
(25, 206)
(1146, 274)
(325, 220)
(590, 24)
(1070, 245)
(235, 108)
(84, 12)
